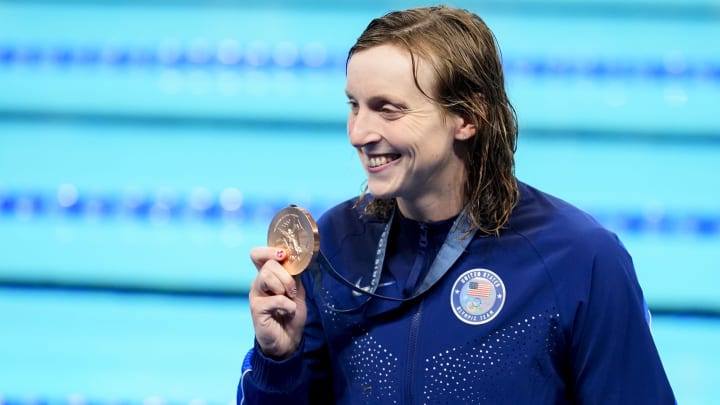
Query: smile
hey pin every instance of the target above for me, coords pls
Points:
(379, 160)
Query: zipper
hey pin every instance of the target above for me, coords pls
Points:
(418, 268)
(411, 351)
(420, 263)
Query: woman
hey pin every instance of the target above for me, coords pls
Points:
(448, 281)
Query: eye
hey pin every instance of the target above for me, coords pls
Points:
(391, 111)
(353, 105)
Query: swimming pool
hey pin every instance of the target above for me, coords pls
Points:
(144, 148)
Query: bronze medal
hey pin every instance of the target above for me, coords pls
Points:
(294, 230)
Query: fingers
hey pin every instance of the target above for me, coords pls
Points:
(272, 278)
(277, 306)
(260, 255)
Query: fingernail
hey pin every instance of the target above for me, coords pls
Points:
(293, 293)
(280, 254)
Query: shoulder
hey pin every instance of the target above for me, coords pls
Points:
(586, 265)
(549, 223)
(344, 211)
(347, 222)
(342, 217)
(570, 245)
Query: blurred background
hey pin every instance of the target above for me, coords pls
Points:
(145, 145)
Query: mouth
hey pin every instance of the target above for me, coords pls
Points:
(374, 161)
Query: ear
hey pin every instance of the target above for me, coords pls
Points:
(465, 130)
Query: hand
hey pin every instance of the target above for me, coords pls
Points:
(277, 304)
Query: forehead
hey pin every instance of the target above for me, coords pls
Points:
(388, 69)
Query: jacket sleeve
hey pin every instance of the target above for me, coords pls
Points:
(614, 358)
(302, 378)
(268, 381)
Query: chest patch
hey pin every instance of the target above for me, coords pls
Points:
(477, 296)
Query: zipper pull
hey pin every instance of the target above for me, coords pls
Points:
(423, 241)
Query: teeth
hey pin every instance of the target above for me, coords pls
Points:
(376, 161)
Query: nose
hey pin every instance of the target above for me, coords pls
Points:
(362, 128)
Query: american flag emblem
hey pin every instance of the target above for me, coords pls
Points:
(477, 296)
(479, 289)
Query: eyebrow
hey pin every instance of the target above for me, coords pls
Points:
(348, 95)
(380, 98)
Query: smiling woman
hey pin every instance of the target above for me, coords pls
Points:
(146, 145)
(464, 274)
(406, 140)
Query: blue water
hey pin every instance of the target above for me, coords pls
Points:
(147, 146)
(112, 348)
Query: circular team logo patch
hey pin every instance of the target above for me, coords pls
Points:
(478, 295)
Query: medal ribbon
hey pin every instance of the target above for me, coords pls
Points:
(454, 245)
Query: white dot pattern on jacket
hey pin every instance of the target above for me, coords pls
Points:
(470, 371)
(374, 368)
(463, 374)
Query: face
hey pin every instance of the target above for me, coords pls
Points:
(406, 144)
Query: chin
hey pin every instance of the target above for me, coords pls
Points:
(380, 193)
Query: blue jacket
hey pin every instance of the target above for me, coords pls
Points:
(548, 312)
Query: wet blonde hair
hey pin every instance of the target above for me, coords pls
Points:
(469, 82)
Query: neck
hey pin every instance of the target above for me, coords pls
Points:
(431, 211)
(442, 198)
